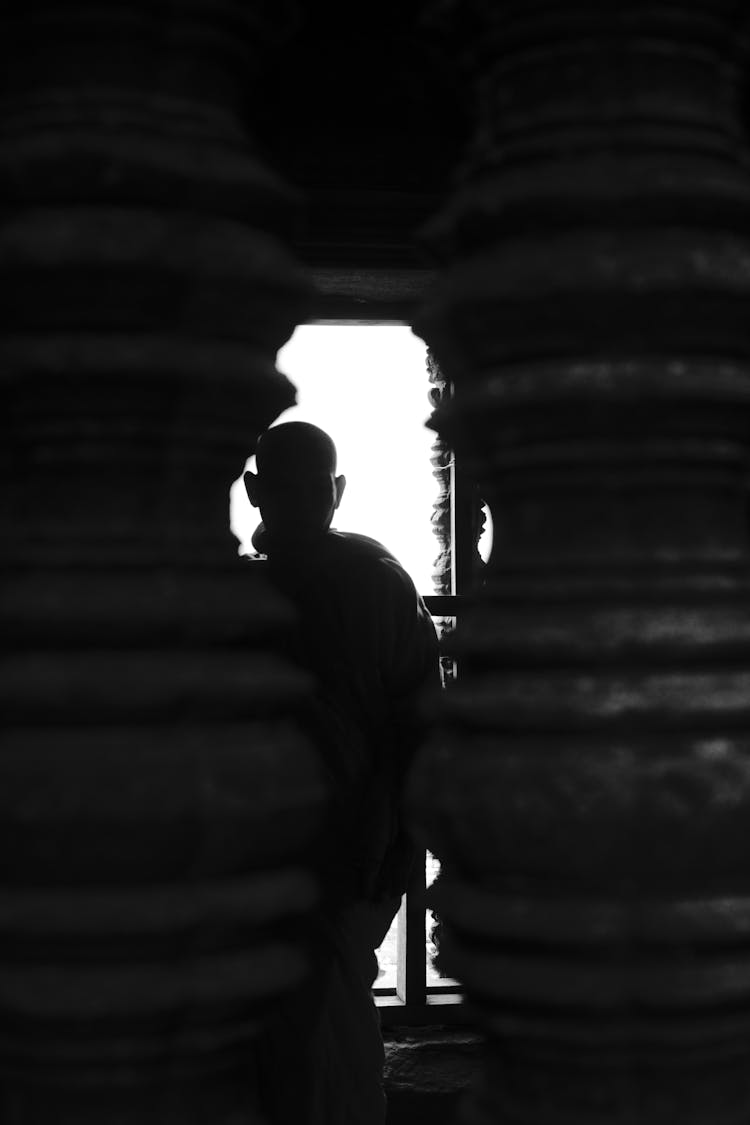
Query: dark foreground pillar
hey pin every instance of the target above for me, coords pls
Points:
(155, 794)
(590, 785)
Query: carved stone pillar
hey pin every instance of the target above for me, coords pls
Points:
(155, 793)
(441, 460)
(589, 787)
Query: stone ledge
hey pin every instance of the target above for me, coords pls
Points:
(427, 1073)
(433, 1061)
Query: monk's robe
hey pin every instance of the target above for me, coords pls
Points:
(366, 636)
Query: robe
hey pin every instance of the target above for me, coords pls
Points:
(366, 636)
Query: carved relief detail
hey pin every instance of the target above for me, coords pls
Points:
(441, 470)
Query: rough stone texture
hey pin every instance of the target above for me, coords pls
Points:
(369, 121)
(435, 1061)
(155, 793)
(441, 460)
(427, 1073)
(588, 789)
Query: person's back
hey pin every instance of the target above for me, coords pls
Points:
(366, 636)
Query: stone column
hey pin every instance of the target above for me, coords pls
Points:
(442, 470)
(589, 786)
(155, 794)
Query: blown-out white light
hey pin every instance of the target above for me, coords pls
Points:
(367, 386)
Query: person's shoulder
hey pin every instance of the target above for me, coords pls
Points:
(366, 554)
(356, 546)
(372, 562)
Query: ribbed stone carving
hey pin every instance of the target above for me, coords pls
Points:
(155, 792)
(441, 461)
(589, 787)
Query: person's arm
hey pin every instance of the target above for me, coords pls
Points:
(411, 665)
(411, 678)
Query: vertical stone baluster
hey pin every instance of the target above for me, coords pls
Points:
(442, 575)
(589, 787)
(155, 794)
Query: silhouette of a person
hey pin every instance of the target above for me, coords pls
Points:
(368, 639)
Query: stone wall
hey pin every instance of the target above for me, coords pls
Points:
(427, 1073)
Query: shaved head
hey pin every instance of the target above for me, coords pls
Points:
(295, 447)
(295, 486)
